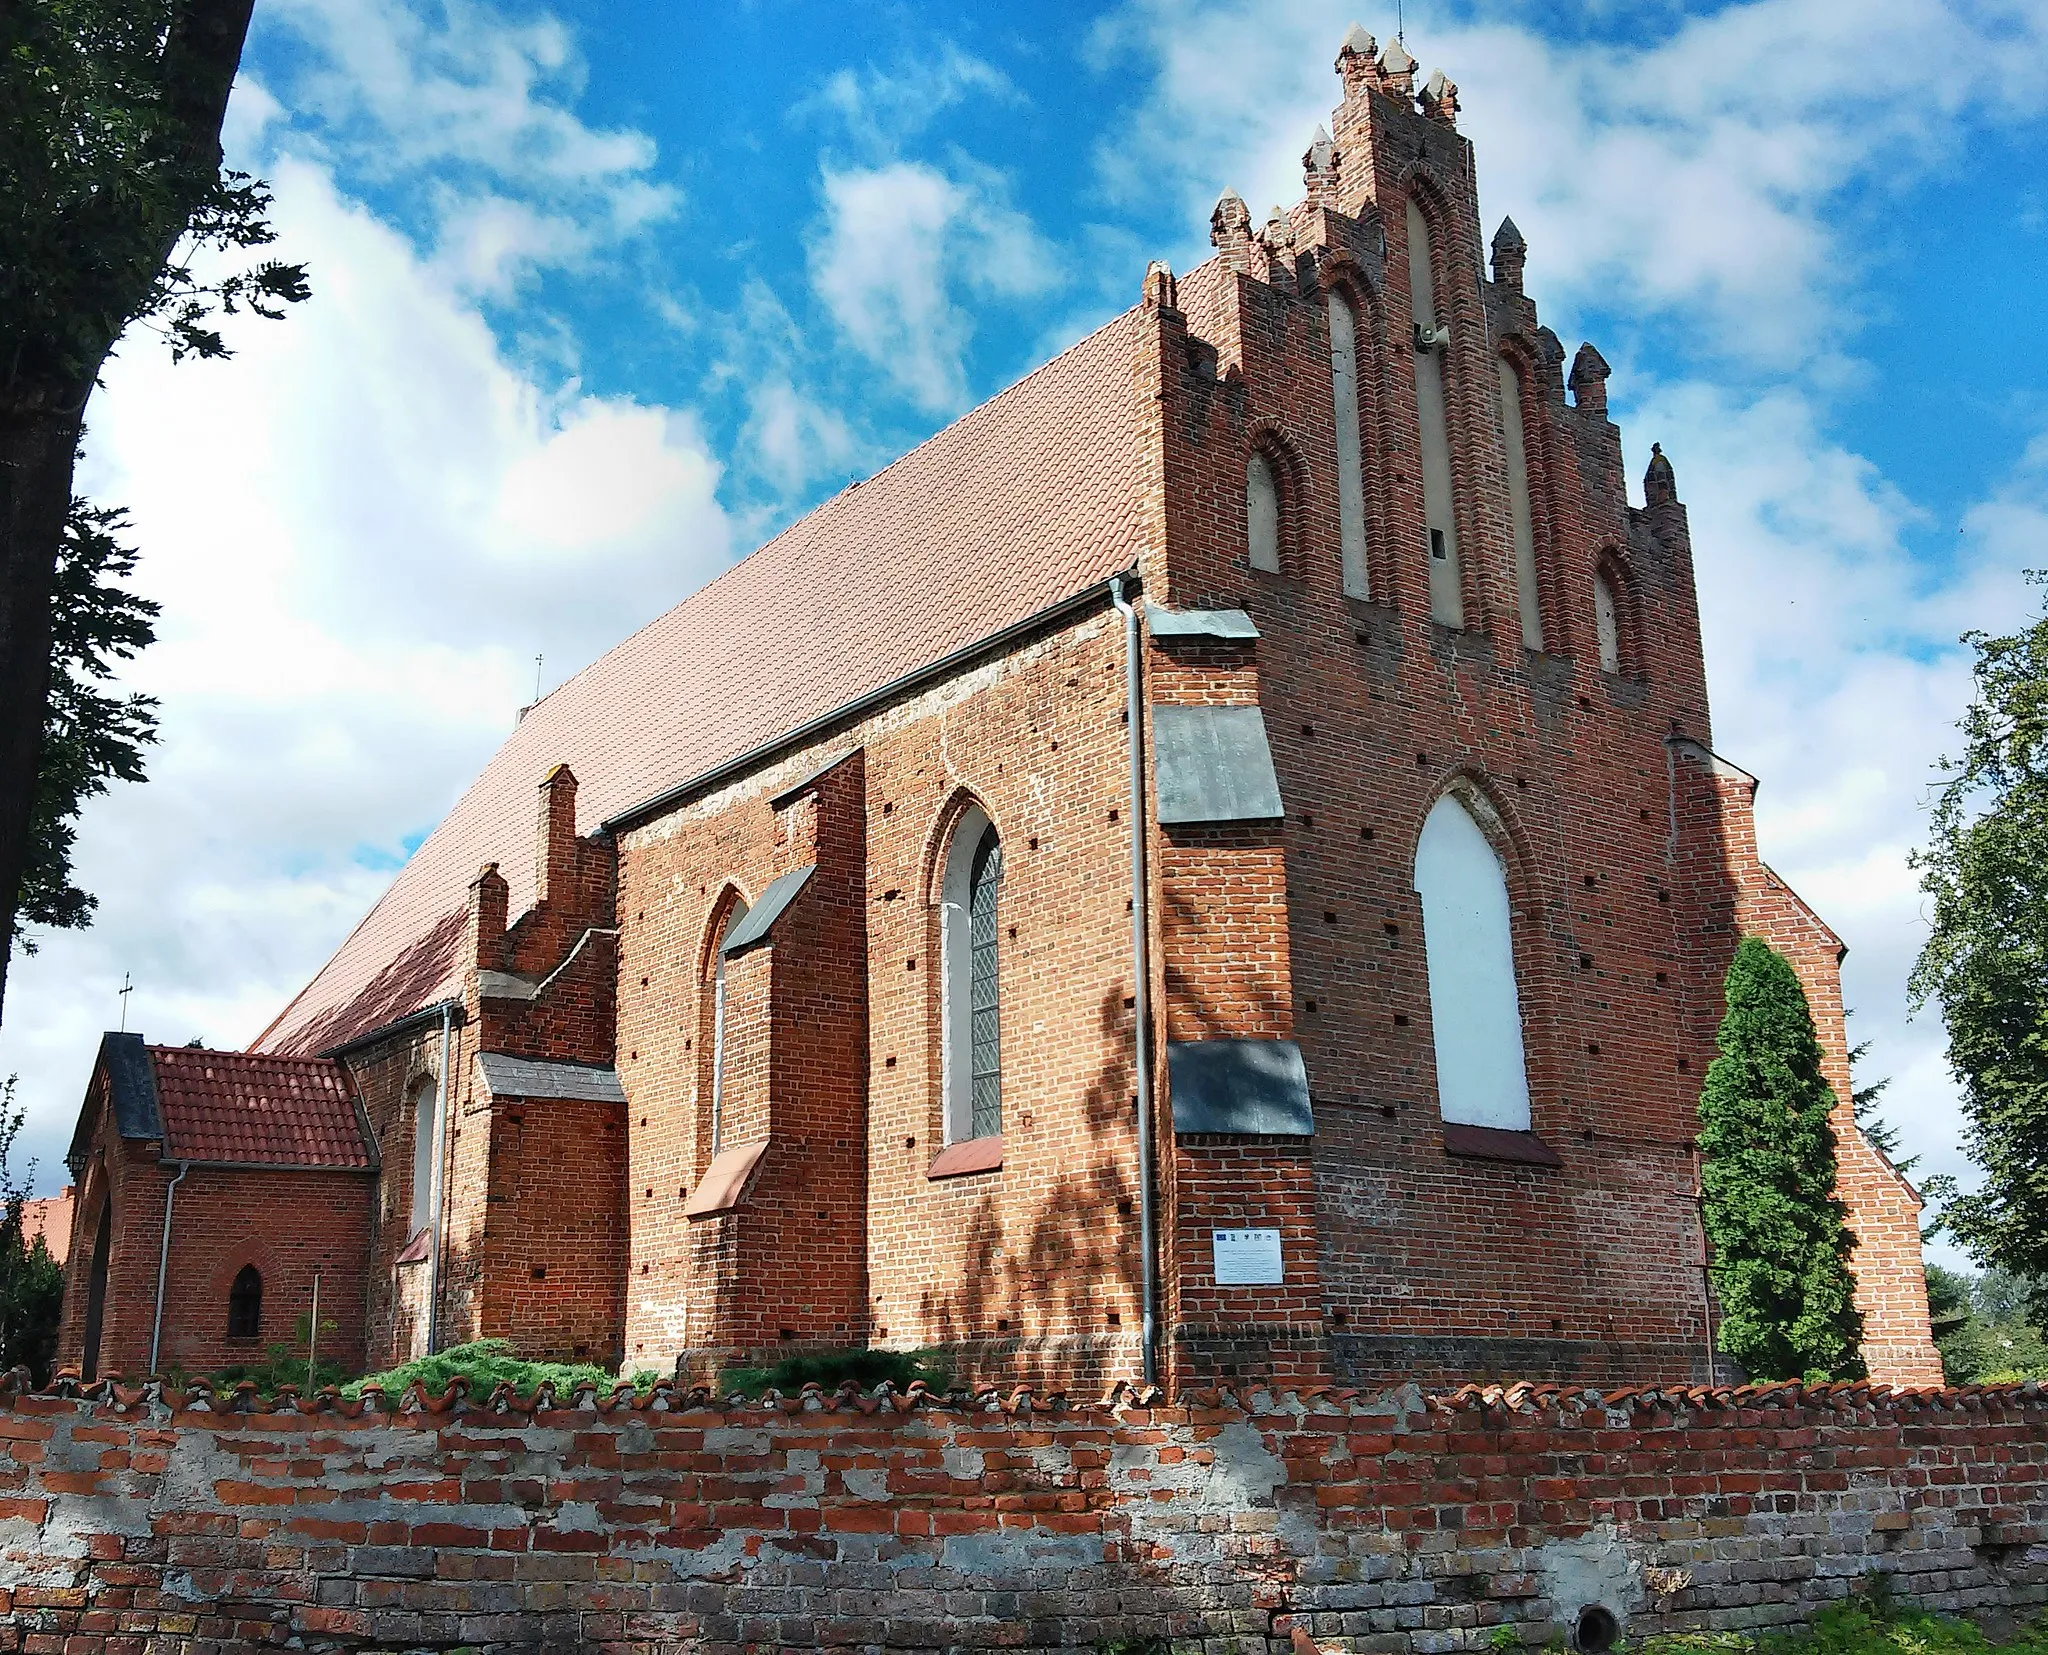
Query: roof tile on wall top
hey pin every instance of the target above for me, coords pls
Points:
(1028, 500)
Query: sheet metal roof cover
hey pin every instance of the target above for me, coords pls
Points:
(1028, 501)
(519, 1077)
(1233, 1085)
(1232, 624)
(760, 919)
(1213, 765)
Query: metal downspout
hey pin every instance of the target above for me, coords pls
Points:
(1141, 961)
(444, 1091)
(163, 1264)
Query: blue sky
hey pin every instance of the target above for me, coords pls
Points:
(606, 293)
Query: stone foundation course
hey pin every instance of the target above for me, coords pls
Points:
(1405, 1523)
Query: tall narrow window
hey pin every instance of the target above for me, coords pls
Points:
(1350, 455)
(425, 1120)
(1474, 1008)
(1518, 504)
(1446, 602)
(1606, 622)
(971, 933)
(245, 1304)
(718, 1019)
(1262, 513)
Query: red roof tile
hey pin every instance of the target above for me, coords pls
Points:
(1031, 498)
(265, 1111)
(50, 1218)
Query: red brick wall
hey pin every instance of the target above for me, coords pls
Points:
(1432, 1265)
(1401, 1524)
(290, 1225)
(1030, 1267)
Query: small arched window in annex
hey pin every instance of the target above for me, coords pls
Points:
(426, 1114)
(1520, 503)
(970, 903)
(735, 911)
(1350, 442)
(1475, 1011)
(1439, 509)
(245, 1304)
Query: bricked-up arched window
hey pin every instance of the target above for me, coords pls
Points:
(1350, 444)
(1519, 506)
(245, 1304)
(1262, 513)
(971, 932)
(1482, 1078)
(1607, 621)
(426, 1113)
(1446, 600)
(733, 917)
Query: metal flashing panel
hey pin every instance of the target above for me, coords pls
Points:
(1212, 764)
(760, 919)
(1233, 624)
(519, 1077)
(131, 1086)
(1243, 1086)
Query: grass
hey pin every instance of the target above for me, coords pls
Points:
(1870, 1624)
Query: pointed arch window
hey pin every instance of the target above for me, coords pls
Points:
(1475, 1010)
(1520, 508)
(1350, 449)
(1607, 619)
(734, 914)
(1262, 513)
(1446, 599)
(245, 1304)
(425, 1121)
(971, 916)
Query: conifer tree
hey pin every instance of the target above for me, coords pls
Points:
(1779, 1233)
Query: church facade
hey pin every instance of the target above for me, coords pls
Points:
(1213, 865)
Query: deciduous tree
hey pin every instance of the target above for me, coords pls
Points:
(1986, 959)
(111, 193)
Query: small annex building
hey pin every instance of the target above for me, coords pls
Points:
(211, 1189)
(1215, 863)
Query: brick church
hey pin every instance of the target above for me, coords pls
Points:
(1213, 864)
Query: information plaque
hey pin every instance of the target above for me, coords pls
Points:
(1248, 1258)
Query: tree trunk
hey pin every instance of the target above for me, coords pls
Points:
(40, 422)
(37, 449)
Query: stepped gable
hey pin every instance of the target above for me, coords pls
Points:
(1028, 500)
(245, 1110)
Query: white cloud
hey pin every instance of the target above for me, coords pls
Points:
(881, 108)
(362, 529)
(480, 104)
(896, 244)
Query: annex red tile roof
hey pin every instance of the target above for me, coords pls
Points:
(266, 1111)
(1030, 499)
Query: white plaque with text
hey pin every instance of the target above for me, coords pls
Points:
(1248, 1258)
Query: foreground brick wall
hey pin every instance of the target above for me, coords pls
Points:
(1405, 1524)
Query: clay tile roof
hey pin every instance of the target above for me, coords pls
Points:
(1031, 499)
(267, 1111)
(50, 1218)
